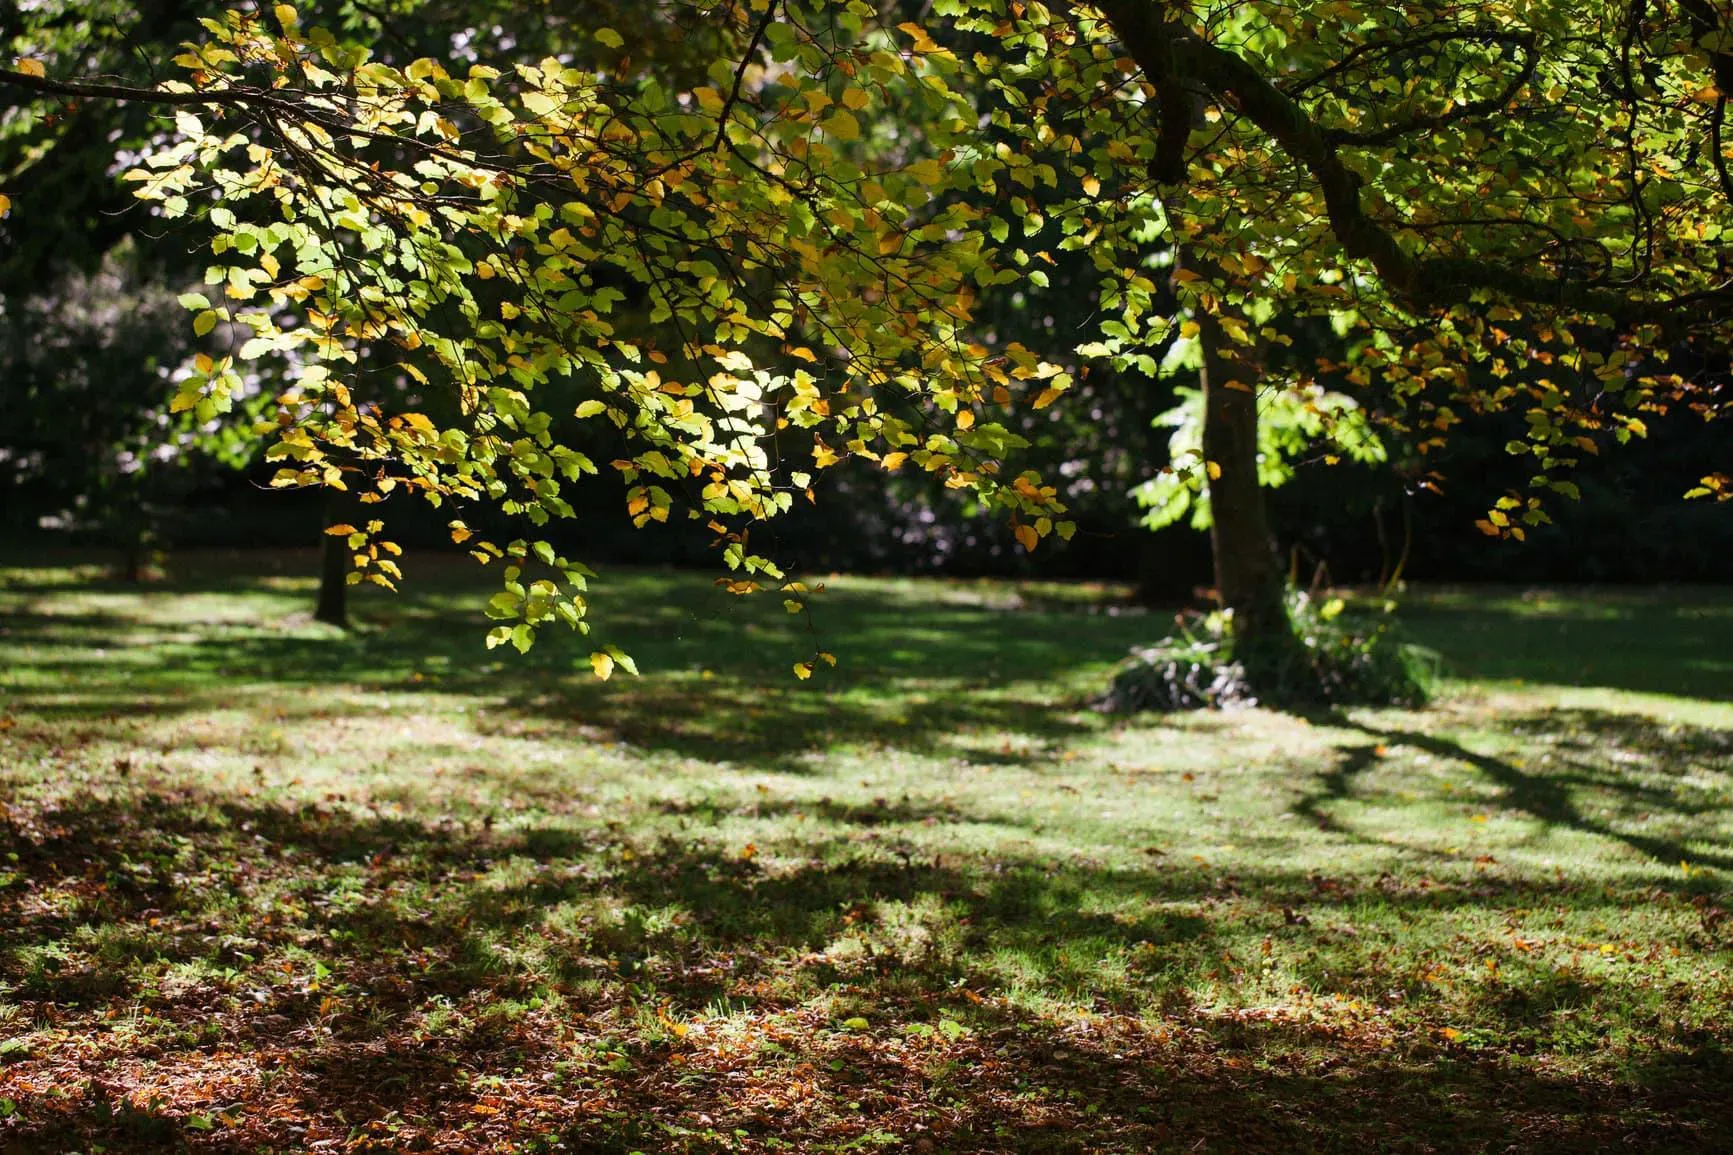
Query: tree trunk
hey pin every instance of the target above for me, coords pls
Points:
(132, 562)
(1248, 578)
(333, 607)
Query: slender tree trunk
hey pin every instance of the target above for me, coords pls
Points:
(132, 563)
(333, 604)
(1248, 578)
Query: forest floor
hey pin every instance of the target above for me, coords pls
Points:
(269, 887)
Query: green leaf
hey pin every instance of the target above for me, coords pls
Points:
(842, 125)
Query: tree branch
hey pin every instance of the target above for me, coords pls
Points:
(1491, 104)
(130, 94)
(1427, 283)
(746, 59)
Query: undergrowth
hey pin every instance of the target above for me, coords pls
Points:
(1343, 658)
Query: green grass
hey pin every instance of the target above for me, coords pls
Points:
(264, 886)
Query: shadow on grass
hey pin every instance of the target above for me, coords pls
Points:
(476, 924)
(411, 917)
(719, 684)
(1671, 640)
(1635, 759)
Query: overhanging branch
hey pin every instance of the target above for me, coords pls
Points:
(129, 94)
(1168, 55)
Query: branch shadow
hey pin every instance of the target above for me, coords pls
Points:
(1585, 738)
(443, 917)
(914, 676)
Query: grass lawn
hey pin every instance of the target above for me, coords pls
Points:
(267, 887)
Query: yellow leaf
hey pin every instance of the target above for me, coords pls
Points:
(1047, 397)
(602, 664)
(923, 40)
(287, 16)
(5, 205)
(803, 670)
(31, 67)
(1027, 537)
(1091, 186)
(894, 461)
(855, 99)
(841, 125)
(591, 408)
(965, 419)
(1214, 470)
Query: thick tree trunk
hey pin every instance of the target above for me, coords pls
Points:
(1248, 578)
(333, 606)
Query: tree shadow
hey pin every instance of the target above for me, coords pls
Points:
(438, 938)
(1595, 750)
(718, 685)
(1666, 640)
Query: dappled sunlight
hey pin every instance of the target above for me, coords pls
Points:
(316, 871)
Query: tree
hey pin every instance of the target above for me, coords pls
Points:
(812, 225)
(1410, 171)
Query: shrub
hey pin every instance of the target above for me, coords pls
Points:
(1342, 658)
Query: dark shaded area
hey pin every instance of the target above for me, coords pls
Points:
(1197, 1080)
(1671, 640)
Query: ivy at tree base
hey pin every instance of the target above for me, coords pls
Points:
(1335, 660)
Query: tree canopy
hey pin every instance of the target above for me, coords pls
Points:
(758, 256)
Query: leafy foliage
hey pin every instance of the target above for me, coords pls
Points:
(1343, 659)
(808, 208)
(570, 192)
(1291, 422)
(86, 366)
